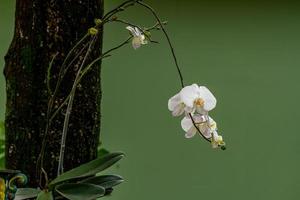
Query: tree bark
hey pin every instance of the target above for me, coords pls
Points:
(44, 28)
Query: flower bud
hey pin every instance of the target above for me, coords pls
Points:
(114, 17)
(98, 21)
(93, 31)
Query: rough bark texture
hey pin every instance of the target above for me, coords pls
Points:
(42, 29)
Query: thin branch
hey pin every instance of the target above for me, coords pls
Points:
(134, 25)
(156, 26)
(84, 71)
(119, 8)
(68, 112)
(195, 125)
(174, 57)
(117, 47)
(49, 73)
(167, 36)
(73, 60)
(59, 108)
(40, 161)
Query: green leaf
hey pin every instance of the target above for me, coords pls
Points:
(80, 191)
(2, 160)
(102, 152)
(45, 195)
(106, 181)
(2, 138)
(89, 169)
(26, 193)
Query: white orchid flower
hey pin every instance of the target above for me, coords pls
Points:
(192, 98)
(176, 105)
(199, 98)
(138, 37)
(207, 127)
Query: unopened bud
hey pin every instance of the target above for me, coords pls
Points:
(93, 31)
(114, 17)
(98, 21)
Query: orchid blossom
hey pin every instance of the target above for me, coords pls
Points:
(207, 127)
(190, 99)
(198, 98)
(138, 37)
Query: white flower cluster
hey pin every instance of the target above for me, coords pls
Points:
(195, 102)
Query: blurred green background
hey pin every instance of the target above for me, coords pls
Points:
(247, 53)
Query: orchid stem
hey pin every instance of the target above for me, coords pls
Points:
(195, 125)
(69, 109)
(168, 39)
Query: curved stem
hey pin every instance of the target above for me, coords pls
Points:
(174, 57)
(68, 112)
(133, 25)
(40, 162)
(119, 8)
(49, 74)
(195, 125)
(168, 39)
(73, 60)
(84, 71)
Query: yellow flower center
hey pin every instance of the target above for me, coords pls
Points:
(199, 102)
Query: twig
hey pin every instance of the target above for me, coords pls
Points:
(195, 125)
(49, 73)
(119, 8)
(85, 70)
(174, 57)
(69, 109)
(133, 25)
(40, 161)
(168, 38)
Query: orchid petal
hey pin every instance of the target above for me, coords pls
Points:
(189, 110)
(199, 118)
(204, 129)
(138, 31)
(209, 99)
(136, 43)
(188, 94)
(143, 39)
(178, 110)
(174, 101)
(186, 123)
(132, 30)
(191, 132)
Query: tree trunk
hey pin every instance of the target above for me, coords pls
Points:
(44, 28)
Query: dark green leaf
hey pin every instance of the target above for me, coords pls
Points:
(2, 131)
(80, 191)
(88, 169)
(44, 195)
(106, 181)
(102, 152)
(26, 193)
